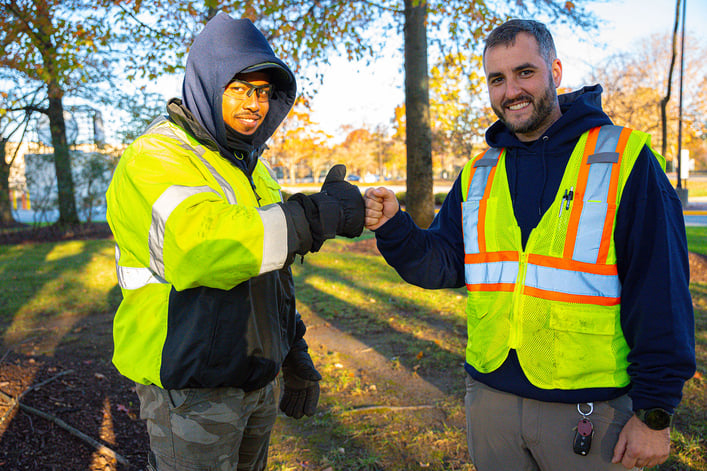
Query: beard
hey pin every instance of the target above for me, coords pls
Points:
(542, 110)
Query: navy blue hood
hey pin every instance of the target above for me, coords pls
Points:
(224, 48)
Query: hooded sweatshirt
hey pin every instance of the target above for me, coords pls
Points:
(651, 249)
(209, 69)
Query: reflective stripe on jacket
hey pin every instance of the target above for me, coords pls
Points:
(200, 251)
(557, 303)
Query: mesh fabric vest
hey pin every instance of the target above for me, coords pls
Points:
(557, 303)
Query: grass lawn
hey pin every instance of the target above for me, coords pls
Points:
(697, 239)
(364, 421)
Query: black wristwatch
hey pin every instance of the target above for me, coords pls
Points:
(656, 419)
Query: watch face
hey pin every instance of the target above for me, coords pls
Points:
(657, 419)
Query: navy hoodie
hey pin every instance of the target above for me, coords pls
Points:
(224, 48)
(651, 248)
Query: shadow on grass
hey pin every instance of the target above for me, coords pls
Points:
(336, 295)
(47, 306)
(408, 335)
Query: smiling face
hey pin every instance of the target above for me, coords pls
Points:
(522, 86)
(245, 114)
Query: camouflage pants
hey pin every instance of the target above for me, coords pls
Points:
(208, 429)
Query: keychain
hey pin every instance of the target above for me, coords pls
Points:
(583, 431)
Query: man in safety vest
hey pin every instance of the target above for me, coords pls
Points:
(571, 243)
(203, 248)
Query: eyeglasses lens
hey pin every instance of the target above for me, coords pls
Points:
(242, 90)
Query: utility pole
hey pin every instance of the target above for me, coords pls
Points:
(682, 68)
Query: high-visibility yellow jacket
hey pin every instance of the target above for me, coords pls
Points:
(201, 255)
(556, 302)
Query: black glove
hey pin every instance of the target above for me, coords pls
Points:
(352, 206)
(337, 209)
(301, 382)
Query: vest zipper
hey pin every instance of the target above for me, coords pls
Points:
(516, 310)
(255, 191)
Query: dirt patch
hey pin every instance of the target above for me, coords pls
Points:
(84, 391)
(23, 233)
(698, 268)
(365, 246)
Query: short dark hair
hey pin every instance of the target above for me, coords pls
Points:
(506, 33)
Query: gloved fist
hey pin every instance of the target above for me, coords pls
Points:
(338, 209)
(351, 205)
(301, 379)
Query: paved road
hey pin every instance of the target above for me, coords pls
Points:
(695, 212)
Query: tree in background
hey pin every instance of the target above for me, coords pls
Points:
(45, 47)
(305, 32)
(141, 108)
(63, 49)
(298, 144)
(13, 121)
(459, 110)
(633, 83)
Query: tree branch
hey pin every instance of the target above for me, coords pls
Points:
(100, 448)
(14, 402)
(382, 7)
(360, 410)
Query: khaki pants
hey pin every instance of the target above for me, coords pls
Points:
(224, 429)
(508, 432)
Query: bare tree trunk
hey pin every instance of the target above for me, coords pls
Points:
(62, 160)
(6, 218)
(666, 98)
(418, 136)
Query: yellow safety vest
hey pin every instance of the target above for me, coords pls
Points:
(557, 303)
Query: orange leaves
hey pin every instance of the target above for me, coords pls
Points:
(569, 6)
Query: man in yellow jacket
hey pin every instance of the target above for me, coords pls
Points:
(203, 248)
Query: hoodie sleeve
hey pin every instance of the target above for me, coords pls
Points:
(431, 258)
(656, 308)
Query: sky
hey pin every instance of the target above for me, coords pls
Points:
(361, 95)
(356, 94)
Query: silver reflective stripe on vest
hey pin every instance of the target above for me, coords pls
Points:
(274, 237)
(481, 175)
(491, 272)
(470, 208)
(134, 277)
(161, 210)
(572, 282)
(163, 130)
(594, 209)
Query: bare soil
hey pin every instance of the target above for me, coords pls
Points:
(87, 393)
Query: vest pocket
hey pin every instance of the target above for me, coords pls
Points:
(488, 328)
(582, 345)
(577, 318)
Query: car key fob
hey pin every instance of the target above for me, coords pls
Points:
(583, 437)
